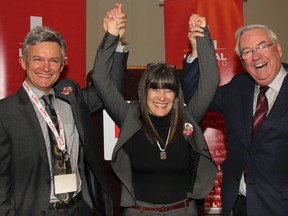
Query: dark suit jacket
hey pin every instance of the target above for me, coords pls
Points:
(192, 78)
(266, 157)
(24, 169)
(126, 115)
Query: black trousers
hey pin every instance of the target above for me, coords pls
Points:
(239, 208)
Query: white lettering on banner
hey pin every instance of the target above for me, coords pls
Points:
(220, 54)
(35, 21)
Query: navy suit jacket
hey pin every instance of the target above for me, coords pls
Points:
(265, 157)
(190, 79)
(24, 169)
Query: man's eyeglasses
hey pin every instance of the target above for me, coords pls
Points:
(154, 64)
(261, 49)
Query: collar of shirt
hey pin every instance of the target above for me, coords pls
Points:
(38, 92)
(277, 82)
(190, 59)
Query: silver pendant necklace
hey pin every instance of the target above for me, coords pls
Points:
(163, 155)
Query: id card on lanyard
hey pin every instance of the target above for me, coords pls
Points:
(66, 182)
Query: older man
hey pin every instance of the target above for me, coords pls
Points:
(255, 173)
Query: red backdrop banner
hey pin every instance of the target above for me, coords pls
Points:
(223, 18)
(18, 17)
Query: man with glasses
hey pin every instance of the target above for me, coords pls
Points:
(255, 173)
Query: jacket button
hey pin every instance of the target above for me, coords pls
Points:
(250, 152)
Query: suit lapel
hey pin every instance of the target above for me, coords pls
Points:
(247, 111)
(29, 114)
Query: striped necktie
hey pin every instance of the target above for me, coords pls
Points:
(261, 109)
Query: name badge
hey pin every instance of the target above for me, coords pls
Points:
(65, 183)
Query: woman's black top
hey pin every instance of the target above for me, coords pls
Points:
(156, 180)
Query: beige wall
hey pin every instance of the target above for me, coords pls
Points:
(145, 26)
(272, 13)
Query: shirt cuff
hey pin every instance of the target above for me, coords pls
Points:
(190, 59)
(122, 48)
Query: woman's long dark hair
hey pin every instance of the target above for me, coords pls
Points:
(161, 76)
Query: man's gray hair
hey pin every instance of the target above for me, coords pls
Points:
(43, 34)
(246, 28)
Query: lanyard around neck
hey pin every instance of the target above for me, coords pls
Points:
(59, 137)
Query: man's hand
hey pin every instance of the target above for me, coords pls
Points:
(196, 25)
(115, 21)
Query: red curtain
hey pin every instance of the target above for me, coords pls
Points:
(18, 17)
